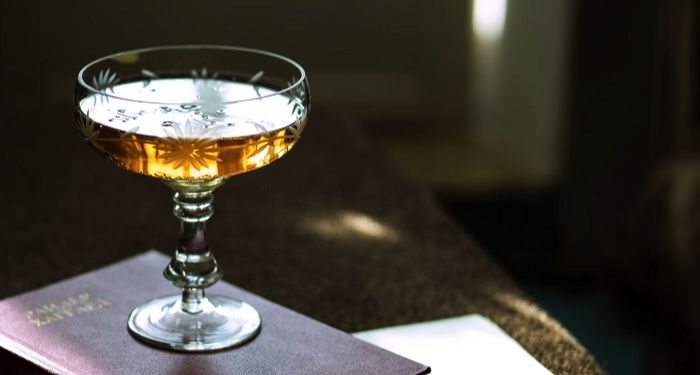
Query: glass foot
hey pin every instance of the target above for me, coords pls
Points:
(221, 322)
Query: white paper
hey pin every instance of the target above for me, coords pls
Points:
(470, 344)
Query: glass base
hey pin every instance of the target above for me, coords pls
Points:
(222, 322)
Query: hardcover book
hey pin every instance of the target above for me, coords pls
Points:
(78, 326)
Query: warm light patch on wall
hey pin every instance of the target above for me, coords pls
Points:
(350, 224)
(488, 18)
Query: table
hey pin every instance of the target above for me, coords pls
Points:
(330, 230)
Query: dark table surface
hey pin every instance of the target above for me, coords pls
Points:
(329, 230)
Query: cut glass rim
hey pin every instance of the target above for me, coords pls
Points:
(292, 86)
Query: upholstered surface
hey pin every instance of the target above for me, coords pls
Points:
(330, 231)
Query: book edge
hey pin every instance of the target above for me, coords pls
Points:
(25, 352)
(98, 269)
(425, 370)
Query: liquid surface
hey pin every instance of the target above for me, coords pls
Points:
(205, 137)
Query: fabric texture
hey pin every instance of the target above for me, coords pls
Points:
(330, 230)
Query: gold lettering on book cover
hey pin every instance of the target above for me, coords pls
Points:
(67, 308)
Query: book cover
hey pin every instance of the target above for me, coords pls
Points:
(78, 326)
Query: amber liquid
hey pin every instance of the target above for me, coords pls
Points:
(194, 144)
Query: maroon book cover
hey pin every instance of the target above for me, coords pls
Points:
(78, 326)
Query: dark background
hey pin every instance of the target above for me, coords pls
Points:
(606, 238)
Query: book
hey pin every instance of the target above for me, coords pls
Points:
(78, 326)
(470, 344)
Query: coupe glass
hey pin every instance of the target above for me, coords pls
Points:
(192, 116)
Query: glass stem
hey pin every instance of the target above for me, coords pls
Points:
(193, 268)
